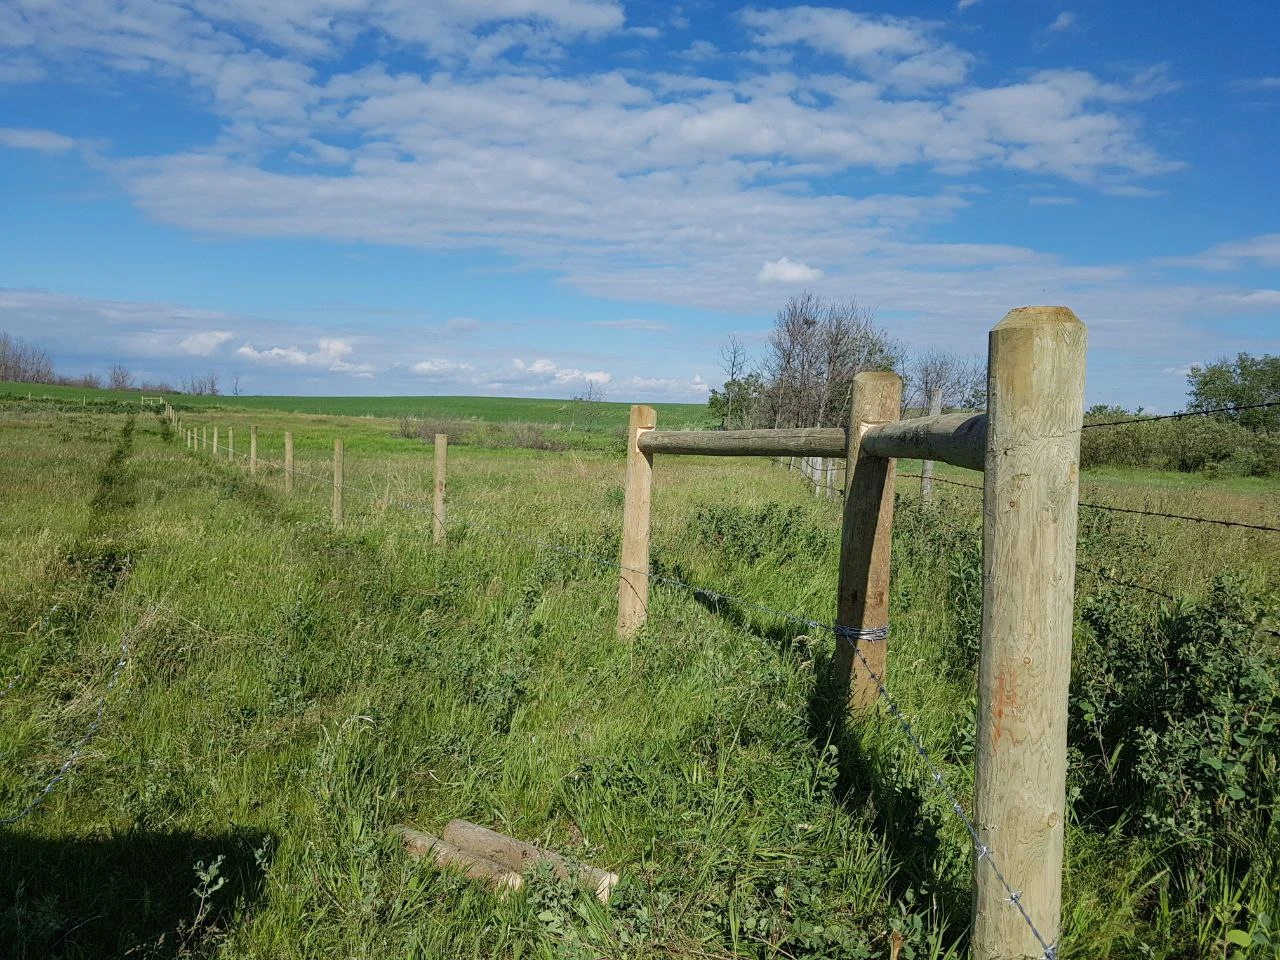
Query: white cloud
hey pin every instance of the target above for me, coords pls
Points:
(1052, 201)
(440, 368)
(1258, 84)
(331, 355)
(205, 343)
(895, 50)
(1262, 250)
(1063, 21)
(642, 326)
(1261, 299)
(549, 372)
(786, 270)
(44, 141)
(966, 4)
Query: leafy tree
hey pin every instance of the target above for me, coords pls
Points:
(1235, 383)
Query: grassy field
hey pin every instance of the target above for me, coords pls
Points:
(292, 691)
(605, 415)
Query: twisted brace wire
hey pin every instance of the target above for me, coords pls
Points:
(854, 634)
(80, 744)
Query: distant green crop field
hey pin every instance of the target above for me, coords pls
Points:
(607, 415)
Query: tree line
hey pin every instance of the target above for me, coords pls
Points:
(23, 362)
(812, 353)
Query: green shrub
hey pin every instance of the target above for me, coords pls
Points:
(1175, 719)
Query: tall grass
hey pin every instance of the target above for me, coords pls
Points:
(294, 691)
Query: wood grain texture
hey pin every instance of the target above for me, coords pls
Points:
(520, 856)
(803, 442)
(863, 591)
(438, 518)
(1035, 399)
(288, 462)
(959, 439)
(419, 844)
(337, 482)
(633, 581)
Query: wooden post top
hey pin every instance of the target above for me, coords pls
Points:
(1031, 316)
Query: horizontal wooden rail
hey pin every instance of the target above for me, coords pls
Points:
(804, 442)
(959, 439)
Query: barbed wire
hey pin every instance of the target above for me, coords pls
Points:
(841, 633)
(80, 744)
(1178, 516)
(1144, 513)
(1186, 413)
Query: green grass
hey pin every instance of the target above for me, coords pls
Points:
(294, 691)
(564, 413)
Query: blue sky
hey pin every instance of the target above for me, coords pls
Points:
(523, 196)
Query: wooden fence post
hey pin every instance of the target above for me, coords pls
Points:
(231, 443)
(1035, 402)
(865, 535)
(437, 509)
(215, 443)
(204, 438)
(288, 461)
(926, 468)
(337, 482)
(253, 449)
(819, 472)
(633, 584)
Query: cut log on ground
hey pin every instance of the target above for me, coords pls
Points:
(519, 856)
(445, 854)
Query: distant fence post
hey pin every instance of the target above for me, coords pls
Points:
(866, 532)
(204, 438)
(633, 584)
(1035, 400)
(819, 473)
(437, 509)
(231, 443)
(215, 443)
(253, 449)
(337, 482)
(926, 468)
(288, 462)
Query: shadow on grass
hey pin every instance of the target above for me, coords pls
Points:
(870, 780)
(131, 895)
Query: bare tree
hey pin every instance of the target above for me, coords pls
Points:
(815, 350)
(119, 378)
(733, 361)
(962, 381)
(201, 385)
(235, 385)
(587, 404)
(24, 362)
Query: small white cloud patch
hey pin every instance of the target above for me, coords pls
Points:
(786, 270)
(203, 344)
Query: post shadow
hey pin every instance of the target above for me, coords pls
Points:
(97, 898)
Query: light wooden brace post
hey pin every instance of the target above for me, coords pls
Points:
(204, 438)
(337, 482)
(633, 584)
(437, 507)
(215, 443)
(288, 461)
(231, 443)
(1035, 403)
(253, 450)
(926, 468)
(862, 599)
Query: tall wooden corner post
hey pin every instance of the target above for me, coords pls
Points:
(862, 611)
(253, 450)
(1035, 403)
(633, 584)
